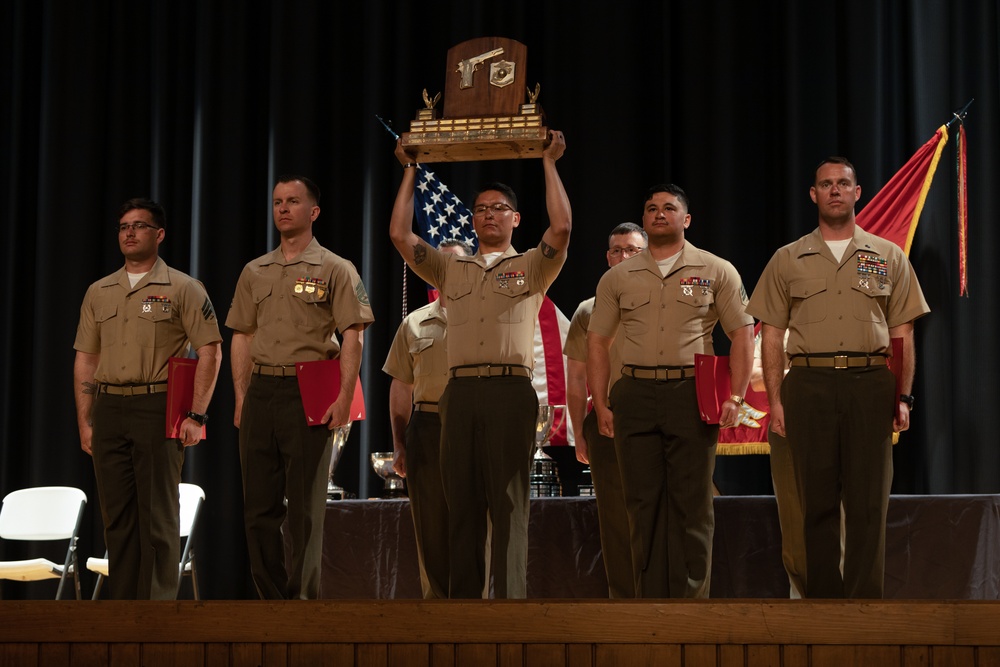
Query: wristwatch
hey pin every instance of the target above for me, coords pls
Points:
(200, 418)
(908, 399)
(737, 399)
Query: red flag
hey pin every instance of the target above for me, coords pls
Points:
(894, 211)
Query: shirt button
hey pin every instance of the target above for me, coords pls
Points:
(482, 319)
(840, 317)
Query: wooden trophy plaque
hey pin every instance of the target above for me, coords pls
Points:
(485, 117)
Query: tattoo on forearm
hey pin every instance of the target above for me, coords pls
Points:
(89, 388)
(548, 251)
(419, 253)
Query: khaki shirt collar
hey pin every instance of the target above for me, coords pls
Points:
(481, 261)
(312, 254)
(158, 275)
(644, 260)
(815, 244)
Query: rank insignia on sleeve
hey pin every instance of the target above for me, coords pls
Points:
(361, 293)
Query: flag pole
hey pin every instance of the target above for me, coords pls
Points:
(958, 115)
(388, 128)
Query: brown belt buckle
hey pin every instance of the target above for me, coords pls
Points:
(840, 361)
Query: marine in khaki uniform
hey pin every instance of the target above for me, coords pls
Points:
(489, 408)
(841, 293)
(418, 365)
(131, 323)
(289, 306)
(625, 241)
(664, 304)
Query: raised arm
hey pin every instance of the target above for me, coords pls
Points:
(556, 237)
(410, 246)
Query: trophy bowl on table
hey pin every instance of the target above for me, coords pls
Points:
(544, 481)
(382, 463)
(339, 436)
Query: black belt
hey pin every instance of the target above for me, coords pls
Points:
(132, 389)
(660, 373)
(839, 361)
(490, 371)
(283, 371)
(425, 406)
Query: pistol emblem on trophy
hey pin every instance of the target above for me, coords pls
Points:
(469, 66)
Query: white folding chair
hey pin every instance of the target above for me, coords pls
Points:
(43, 513)
(192, 496)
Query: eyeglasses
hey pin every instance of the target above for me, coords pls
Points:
(137, 226)
(628, 252)
(497, 208)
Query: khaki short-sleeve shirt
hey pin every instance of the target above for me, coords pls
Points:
(293, 308)
(665, 321)
(576, 341)
(491, 310)
(418, 355)
(829, 306)
(136, 330)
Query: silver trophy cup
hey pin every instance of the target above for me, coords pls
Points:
(382, 463)
(339, 436)
(544, 480)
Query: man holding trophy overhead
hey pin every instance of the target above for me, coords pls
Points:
(489, 407)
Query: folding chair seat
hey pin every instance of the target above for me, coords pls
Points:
(191, 498)
(44, 513)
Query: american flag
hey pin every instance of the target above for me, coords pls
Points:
(440, 214)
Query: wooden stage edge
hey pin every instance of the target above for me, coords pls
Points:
(569, 632)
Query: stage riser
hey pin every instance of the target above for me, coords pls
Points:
(505, 633)
(510, 655)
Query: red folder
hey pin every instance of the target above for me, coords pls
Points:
(319, 384)
(711, 380)
(180, 393)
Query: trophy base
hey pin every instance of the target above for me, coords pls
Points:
(334, 492)
(543, 480)
(473, 139)
(586, 483)
(394, 488)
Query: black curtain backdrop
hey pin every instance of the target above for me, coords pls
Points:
(201, 104)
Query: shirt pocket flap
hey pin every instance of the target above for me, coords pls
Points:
(633, 300)
(458, 290)
(420, 344)
(260, 292)
(105, 312)
(803, 289)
